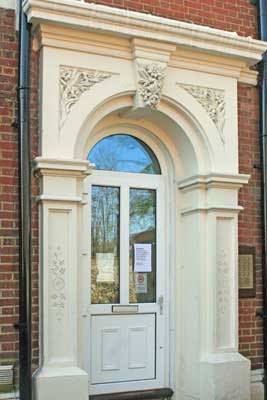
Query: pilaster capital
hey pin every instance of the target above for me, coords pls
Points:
(211, 192)
(61, 179)
(213, 180)
(61, 167)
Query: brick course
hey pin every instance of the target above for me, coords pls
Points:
(231, 15)
(9, 200)
(9, 234)
(250, 326)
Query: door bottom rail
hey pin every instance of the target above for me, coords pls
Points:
(151, 394)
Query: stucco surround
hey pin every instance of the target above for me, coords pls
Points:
(175, 86)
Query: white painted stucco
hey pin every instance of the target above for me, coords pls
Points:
(10, 4)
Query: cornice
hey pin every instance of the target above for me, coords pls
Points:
(63, 167)
(222, 181)
(9, 4)
(211, 208)
(249, 77)
(130, 24)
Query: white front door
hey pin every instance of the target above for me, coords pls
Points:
(127, 326)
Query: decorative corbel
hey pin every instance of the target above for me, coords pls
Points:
(150, 83)
(150, 64)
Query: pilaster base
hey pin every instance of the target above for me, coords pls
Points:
(257, 385)
(225, 377)
(60, 384)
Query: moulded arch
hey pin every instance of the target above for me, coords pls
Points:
(178, 114)
(92, 101)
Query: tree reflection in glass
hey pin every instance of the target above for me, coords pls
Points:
(124, 153)
(105, 245)
(143, 230)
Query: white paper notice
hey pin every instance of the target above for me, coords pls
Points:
(105, 266)
(142, 257)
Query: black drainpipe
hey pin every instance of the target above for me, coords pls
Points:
(262, 16)
(25, 305)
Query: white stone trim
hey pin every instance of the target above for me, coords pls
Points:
(257, 385)
(249, 77)
(71, 199)
(10, 395)
(214, 180)
(60, 201)
(9, 4)
(208, 208)
(132, 24)
(40, 163)
(84, 41)
(257, 375)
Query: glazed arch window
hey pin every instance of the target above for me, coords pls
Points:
(124, 153)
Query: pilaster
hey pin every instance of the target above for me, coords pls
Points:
(60, 200)
(218, 371)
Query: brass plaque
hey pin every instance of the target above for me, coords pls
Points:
(245, 271)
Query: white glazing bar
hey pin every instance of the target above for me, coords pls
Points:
(161, 262)
(124, 244)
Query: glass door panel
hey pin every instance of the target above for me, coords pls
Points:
(142, 245)
(105, 245)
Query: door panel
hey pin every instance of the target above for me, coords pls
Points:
(127, 324)
(123, 348)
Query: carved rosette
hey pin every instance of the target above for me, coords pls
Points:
(150, 83)
(213, 101)
(57, 271)
(73, 83)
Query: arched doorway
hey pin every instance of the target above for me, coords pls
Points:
(128, 267)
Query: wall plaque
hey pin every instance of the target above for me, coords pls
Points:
(246, 271)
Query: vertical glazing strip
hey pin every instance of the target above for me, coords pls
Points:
(142, 262)
(124, 245)
(105, 245)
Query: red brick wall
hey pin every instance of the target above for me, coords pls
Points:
(9, 200)
(250, 326)
(9, 234)
(232, 15)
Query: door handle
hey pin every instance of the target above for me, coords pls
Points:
(160, 303)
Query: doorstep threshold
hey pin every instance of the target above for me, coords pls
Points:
(152, 394)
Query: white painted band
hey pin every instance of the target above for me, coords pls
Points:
(10, 4)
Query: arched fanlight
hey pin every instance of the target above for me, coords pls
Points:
(124, 153)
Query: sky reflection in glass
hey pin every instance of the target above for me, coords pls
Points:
(124, 153)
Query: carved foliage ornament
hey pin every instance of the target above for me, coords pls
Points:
(150, 83)
(213, 101)
(57, 271)
(73, 83)
(223, 291)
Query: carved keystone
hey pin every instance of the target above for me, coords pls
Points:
(150, 83)
(150, 62)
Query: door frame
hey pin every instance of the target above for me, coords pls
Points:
(170, 253)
